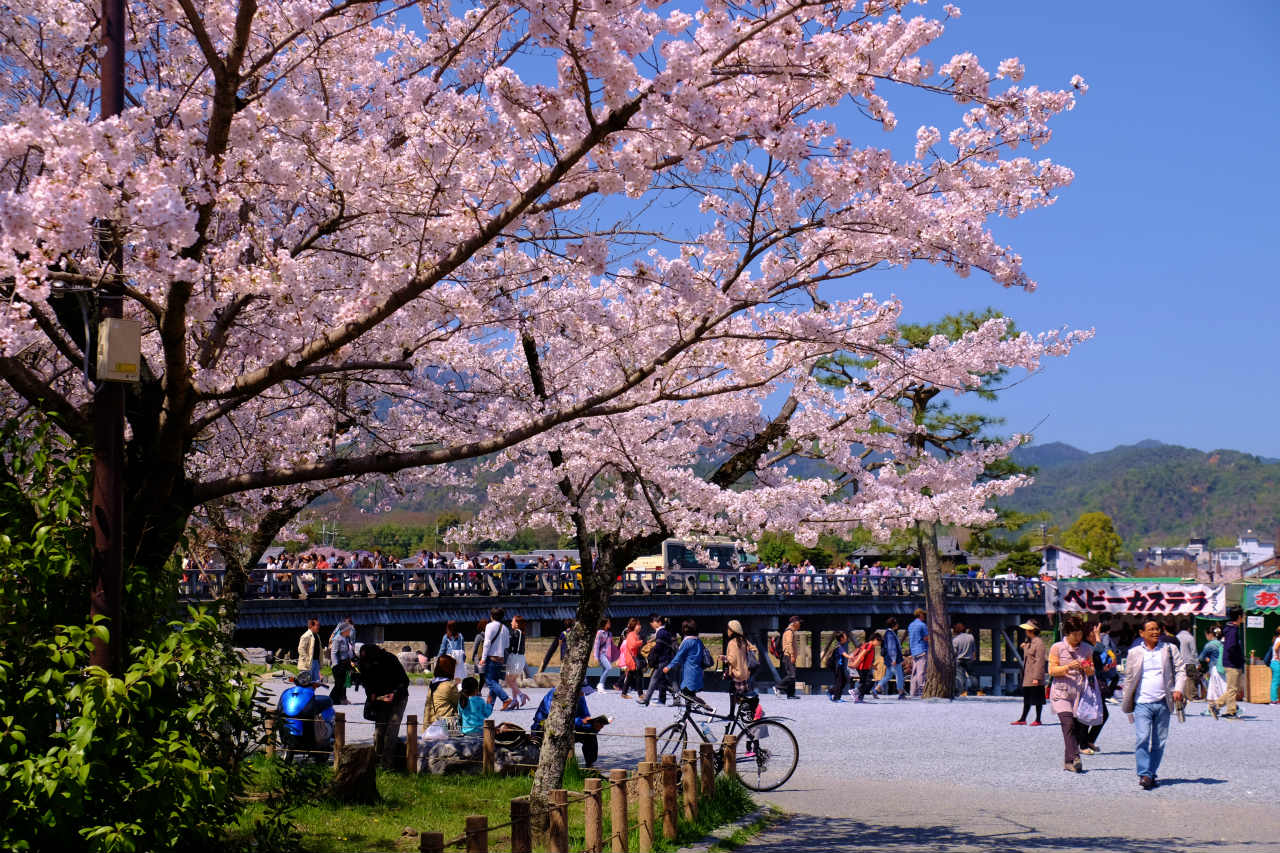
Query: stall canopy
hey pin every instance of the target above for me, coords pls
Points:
(1262, 599)
(1135, 597)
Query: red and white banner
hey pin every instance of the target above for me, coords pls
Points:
(1171, 599)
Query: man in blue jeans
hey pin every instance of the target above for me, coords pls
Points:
(1154, 677)
(918, 645)
(494, 656)
(892, 651)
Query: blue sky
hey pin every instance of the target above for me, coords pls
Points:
(1166, 241)
(1164, 244)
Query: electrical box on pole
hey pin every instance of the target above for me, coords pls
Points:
(119, 349)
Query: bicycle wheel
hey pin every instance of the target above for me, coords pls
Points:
(673, 740)
(766, 754)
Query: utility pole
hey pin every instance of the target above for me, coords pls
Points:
(108, 397)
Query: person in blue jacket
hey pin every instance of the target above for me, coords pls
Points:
(584, 728)
(691, 659)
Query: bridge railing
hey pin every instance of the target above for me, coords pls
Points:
(438, 583)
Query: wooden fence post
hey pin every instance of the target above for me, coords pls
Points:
(731, 756)
(521, 831)
(651, 744)
(644, 805)
(690, 780)
(619, 829)
(477, 833)
(558, 833)
(411, 743)
(339, 736)
(271, 734)
(431, 842)
(669, 806)
(488, 747)
(707, 753)
(593, 814)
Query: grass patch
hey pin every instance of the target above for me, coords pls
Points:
(743, 834)
(425, 803)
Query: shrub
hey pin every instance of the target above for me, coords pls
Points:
(150, 760)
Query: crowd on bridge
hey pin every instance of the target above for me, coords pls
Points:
(322, 572)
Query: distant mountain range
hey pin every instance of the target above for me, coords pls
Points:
(1156, 493)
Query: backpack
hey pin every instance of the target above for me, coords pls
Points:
(775, 646)
(705, 661)
(753, 658)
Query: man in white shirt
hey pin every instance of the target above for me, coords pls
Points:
(493, 655)
(1154, 676)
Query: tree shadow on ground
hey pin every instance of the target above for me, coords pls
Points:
(837, 835)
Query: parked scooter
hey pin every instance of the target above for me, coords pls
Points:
(306, 720)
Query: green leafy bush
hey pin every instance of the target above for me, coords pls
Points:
(150, 760)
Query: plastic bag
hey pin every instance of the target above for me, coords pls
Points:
(1088, 710)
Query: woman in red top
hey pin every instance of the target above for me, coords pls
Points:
(629, 659)
(863, 661)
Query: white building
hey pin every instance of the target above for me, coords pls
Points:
(1061, 563)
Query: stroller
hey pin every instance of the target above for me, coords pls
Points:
(306, 720)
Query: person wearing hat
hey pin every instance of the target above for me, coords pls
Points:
(342, 652)
(1035, 661)
(737, 659)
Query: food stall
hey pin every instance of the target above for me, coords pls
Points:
(1125, 603)
(1261, 603)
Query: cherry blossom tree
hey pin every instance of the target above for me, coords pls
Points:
(349, 224)
(721, 463)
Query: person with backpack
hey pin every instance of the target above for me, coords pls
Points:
(837, 658)
(690, 660)
(741, 660)
(663, 650)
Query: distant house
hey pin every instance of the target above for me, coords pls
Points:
(1255, 550)
(1268, 568)
(950, 554)
(1062, 563)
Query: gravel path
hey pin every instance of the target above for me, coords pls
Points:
(956, 776)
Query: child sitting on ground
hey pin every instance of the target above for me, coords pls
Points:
(473, 710)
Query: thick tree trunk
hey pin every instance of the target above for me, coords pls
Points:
(940, 678)
(557, 741)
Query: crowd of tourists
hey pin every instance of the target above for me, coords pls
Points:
(1152, 674)
(651, 660)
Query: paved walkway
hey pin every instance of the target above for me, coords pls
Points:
(955, 777)
(897, 816)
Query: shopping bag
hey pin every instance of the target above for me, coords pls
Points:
(1088, 710)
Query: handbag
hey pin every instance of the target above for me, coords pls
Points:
(377, 712)
(1088, 709)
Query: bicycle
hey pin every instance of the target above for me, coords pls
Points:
(767, 752)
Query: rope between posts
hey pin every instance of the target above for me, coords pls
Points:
(571, 797)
